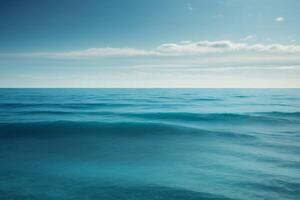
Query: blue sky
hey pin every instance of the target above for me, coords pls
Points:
(157, 43)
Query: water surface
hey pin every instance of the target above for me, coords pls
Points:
(149, 144)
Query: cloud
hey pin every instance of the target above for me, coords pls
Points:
(234, 68)
(279, 19)
(174, 49)
(224, 46)
(200, 47)
(248, 38)
(109, 52)
(92, 52)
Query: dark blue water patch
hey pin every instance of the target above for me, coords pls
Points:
(242, 96)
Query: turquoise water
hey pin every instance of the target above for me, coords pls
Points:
(149, 144)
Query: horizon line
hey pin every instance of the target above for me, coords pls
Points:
(149, 87)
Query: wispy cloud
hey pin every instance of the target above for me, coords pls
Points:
(279, 19)
(184, 63)
(249, 38)
(175, 49)
(224, 46)
(92, 52)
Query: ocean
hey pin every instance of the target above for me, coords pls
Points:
(149, 144)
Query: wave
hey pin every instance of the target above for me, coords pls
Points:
(94, 191)
(283, 114)
(242, 96)
(62, 112)
(290, 189)
(276, 118)
(207, 99)
(148, 191)
(64, 105)
(68, 128)
(210, 117)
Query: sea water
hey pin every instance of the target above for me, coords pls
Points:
(149, 144)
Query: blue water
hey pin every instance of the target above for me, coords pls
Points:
(153, 144)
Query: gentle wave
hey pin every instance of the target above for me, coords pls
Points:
(42, 129)
(212, 117)
(283, 114)
(236, 118)
(63, 105)
(94, 191)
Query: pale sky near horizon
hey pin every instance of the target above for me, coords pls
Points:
(143, 43)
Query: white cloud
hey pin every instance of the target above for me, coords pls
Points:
(221, 63)
(175, 49)
(249, 38)
(109, 52)
(223, 46)
(279, 19)
(92, 52)
(200, 47)
(296, 67)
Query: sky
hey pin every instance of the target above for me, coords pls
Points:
(150, 44)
